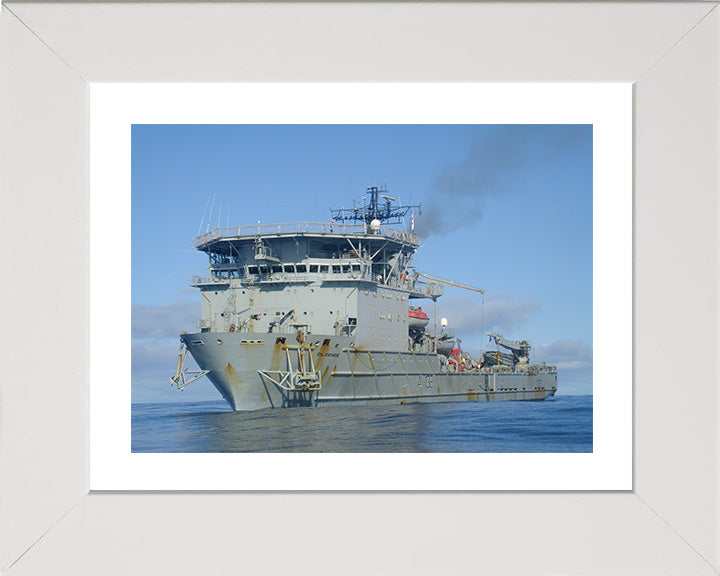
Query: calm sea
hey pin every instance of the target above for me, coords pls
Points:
(561, 424)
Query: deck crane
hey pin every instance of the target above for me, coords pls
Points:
(435, 296)
(450, 283)
(519, 348)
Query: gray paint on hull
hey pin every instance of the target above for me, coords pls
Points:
(352, 375)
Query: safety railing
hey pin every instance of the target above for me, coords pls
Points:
(301, 228)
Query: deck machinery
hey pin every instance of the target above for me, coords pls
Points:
(305, 313)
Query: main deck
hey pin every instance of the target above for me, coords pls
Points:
(256, 371)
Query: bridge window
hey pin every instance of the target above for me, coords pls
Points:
(301, 268)
(313, 267)
(336, 269)
(289, 268)
(323, 269)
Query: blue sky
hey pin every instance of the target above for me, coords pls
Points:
(505, 208)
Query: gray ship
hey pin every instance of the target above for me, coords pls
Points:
(305, 314)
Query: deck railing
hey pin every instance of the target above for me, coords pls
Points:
(417, 287)
(300, 228)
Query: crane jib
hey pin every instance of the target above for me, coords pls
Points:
(450, 283)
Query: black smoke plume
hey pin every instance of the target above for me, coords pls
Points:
(457, 196)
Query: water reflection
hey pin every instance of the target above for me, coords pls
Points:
(561, 425)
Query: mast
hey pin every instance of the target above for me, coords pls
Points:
(384, 212)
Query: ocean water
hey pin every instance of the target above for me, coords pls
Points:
(560, 424)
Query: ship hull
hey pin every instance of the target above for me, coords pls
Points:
(252, 372)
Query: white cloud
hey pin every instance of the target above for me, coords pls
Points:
(154, 356)
(155, 343)
(567, 354)
(574, 361)
(500, 313)
(165, 321)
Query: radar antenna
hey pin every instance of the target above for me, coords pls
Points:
(388, 213)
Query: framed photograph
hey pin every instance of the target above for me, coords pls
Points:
(565, 130)
(67, 383)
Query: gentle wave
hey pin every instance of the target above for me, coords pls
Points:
(561, 424)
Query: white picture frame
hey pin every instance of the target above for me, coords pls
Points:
(668, 523)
